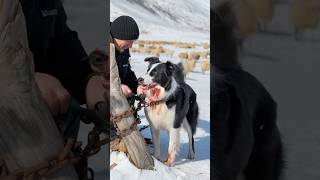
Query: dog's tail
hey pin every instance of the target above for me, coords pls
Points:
(223, 39)
(193, 112)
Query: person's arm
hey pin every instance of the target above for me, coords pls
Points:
(70, 56)
(126, 75)
(131, 81)
(68, 40)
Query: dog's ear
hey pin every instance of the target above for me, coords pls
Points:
(170, 67)
(152, 60)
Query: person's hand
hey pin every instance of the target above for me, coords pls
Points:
(54, 94)
(126, 90)
(140, 90)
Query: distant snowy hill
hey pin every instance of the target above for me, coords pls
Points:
(185, 20)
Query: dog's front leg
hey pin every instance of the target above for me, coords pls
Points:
(174, 143)
(156, 141)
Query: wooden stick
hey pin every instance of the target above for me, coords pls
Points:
(135, 143)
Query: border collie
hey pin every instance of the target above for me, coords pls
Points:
(174, 106)
(246, 139)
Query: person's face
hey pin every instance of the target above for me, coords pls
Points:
(122, 45)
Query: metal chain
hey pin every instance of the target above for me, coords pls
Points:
(60, 160)
(132, 110)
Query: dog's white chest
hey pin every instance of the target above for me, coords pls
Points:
(160, 116)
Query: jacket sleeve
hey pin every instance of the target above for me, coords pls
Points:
(70, 56)
(67, 42)
(131, 80)
(126, 75)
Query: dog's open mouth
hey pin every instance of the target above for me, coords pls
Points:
(149, 86)
(153, 91)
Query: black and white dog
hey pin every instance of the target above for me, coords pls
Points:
(172, 106)
(245, 135)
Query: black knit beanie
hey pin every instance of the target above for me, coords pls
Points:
(124, 28)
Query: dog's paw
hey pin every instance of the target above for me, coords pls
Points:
(169, 160)
(168, 163)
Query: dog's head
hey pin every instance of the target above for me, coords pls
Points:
(161, 73)
(159, 77)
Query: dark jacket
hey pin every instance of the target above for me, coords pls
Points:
(127, 76)
(56, 49)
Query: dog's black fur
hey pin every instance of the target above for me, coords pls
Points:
(246, 140)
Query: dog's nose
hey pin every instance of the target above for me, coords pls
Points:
(140, 80)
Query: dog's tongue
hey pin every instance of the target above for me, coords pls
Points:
(155, 92)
